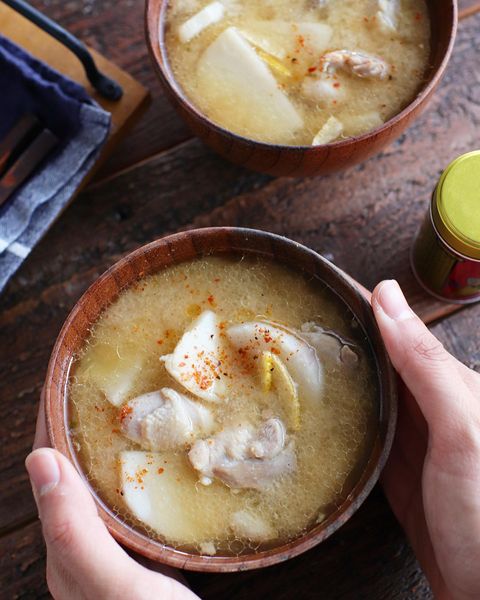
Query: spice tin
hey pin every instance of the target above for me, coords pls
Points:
(446, 253)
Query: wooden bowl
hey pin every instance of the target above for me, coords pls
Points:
(183, 247)
(303, 160)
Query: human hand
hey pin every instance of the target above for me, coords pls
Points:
(432, 478)
(83, 560)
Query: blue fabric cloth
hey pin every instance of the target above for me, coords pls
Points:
(82, 126)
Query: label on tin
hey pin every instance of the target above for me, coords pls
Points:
(442, 272)
(463, 281)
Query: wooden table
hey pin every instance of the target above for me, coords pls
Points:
(160, 180)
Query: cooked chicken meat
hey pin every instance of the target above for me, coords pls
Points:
(360, 64)
(329, 345)
(245, 457)
(164, 420)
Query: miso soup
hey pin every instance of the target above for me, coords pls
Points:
(224, 405)
(299, 72)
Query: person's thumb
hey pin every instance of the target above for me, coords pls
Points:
(75, 535)
(431, 374)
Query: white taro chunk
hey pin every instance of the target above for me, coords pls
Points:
(208, 548)
(358, 124)
(330, 132)
(280, 38)
(156, 490)
(113, 370)
(164, 420)
(234, 79)
(386, 15)
(210, 14)
(249, 525)
(360, 64)
(242, 456)
(323, 89)
(299, 357)
(195, 363)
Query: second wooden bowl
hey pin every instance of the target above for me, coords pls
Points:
(303, 160)
(177, 249)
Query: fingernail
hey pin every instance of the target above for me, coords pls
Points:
(43, 470)
(391, 299)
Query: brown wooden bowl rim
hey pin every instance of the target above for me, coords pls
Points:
(244, 241)
(165, 72)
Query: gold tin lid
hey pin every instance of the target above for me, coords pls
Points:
(456, 205)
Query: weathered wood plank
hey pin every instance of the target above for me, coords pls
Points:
(368, 558)
(115, 28)
(22, 564)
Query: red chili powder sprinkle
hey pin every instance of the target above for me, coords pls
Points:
(336, 85)
(312, 69)
(160, 470)
(211, 300)
(217, 279)
(125, 411)
(274, 350)
(159, 342)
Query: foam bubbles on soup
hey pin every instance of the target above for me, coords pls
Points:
(324, 441)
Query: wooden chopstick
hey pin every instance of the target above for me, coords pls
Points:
(31, 157)
(19, 135)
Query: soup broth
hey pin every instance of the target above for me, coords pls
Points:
(260, 392)
(299, 72)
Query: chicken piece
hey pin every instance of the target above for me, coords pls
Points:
(243, 457)
(360, 64)
(323, 89)
(254, 337)
(164, 420)
(195, 362)
(330, 346)
(210, 14)
(386, 15)
(270, 440)
(330, 132)
(246, 524)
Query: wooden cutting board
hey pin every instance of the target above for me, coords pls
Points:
(44, 47)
